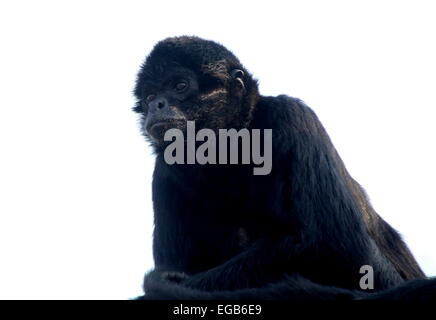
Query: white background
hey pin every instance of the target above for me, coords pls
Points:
(75, 174)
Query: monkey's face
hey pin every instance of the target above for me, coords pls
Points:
(174, 95)
(166, 100)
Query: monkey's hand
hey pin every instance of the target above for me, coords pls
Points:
(174, 276)
(170, 276)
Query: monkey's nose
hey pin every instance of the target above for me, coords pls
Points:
(158, 104)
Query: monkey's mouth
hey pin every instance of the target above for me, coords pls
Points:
(156, 125)
(157, 129)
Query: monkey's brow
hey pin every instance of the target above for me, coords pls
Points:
(152, 84)
(158, 83)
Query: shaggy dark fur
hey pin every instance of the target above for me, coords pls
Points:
(301, 232)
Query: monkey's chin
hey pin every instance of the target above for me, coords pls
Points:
(157, 131)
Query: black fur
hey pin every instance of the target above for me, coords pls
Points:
(302, 232)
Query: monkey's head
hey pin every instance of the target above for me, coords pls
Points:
(191, 79)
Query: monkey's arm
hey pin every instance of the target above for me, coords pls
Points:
(261, 263)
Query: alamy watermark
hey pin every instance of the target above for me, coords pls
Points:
(367, 280)
(227, 140)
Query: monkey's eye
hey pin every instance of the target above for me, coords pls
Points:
(150, 98)
(181, 86)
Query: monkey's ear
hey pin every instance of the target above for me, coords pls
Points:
(238, 74)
